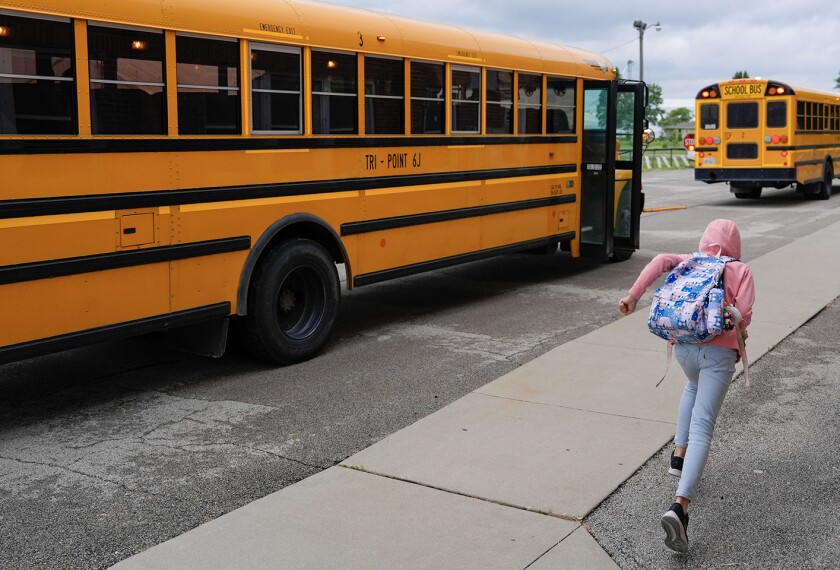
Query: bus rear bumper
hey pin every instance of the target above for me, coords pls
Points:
(778, 177)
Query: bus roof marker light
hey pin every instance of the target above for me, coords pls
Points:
(780, 90)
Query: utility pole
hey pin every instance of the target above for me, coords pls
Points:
(642, 26)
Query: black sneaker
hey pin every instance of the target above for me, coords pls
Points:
(676, 465)
(675, 523)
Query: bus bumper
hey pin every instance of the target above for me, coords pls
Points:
(755, 176)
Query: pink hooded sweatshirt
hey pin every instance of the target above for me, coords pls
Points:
(720, 238)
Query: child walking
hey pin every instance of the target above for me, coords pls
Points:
(708, 366)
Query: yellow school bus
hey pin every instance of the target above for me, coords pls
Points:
(759, 133)
(170, 166)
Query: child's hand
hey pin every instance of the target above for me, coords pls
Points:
(627, 305)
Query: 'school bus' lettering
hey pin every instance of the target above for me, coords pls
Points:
(750, 90)
(757, 133)
(169, 169)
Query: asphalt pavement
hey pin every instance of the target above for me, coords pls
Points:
(562, 462)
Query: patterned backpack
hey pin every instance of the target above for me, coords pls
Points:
(688, 306)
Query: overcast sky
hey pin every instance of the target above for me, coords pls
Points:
(796, 42)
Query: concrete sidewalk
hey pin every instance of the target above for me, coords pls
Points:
(506, 476)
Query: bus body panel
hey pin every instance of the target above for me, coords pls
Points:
(60, 305)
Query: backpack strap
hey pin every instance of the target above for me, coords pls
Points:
(670, 353)
(743, 349)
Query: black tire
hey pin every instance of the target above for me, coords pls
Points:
(621, 255)
(825, 187)
(743, 192)
(292, 303)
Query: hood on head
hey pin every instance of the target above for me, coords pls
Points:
(721, 238)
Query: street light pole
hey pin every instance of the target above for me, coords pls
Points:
(642, 26)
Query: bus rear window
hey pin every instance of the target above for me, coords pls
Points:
(742, 115)
(777, 114)
(710, 116)
(37, 77)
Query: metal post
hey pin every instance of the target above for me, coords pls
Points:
(642, 26)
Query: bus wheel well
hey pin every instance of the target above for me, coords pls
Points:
(293, 227)
(311, 231)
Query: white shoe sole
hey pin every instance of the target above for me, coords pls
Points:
(675, 538)
(675, 472)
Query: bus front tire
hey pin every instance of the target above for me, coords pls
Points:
(292, 303)
(621, 255)
(825, 187)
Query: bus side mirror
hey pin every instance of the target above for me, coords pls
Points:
(648, 136)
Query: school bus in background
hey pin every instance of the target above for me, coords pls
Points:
(169, 166)
(759, 133)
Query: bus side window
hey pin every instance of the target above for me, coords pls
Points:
(560, 106)
(466, 99)
(208, 86)
(37, 86)
(499, 103)
(334, 93)
(126, 81)
(276, 89)
(384, 101)
(427, 98)
(530, 104)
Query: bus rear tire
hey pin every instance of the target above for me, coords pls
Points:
(745, 192)
(292, 303)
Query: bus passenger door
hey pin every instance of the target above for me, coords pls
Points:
(611, 198)
(597, 169)
(629, 200)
